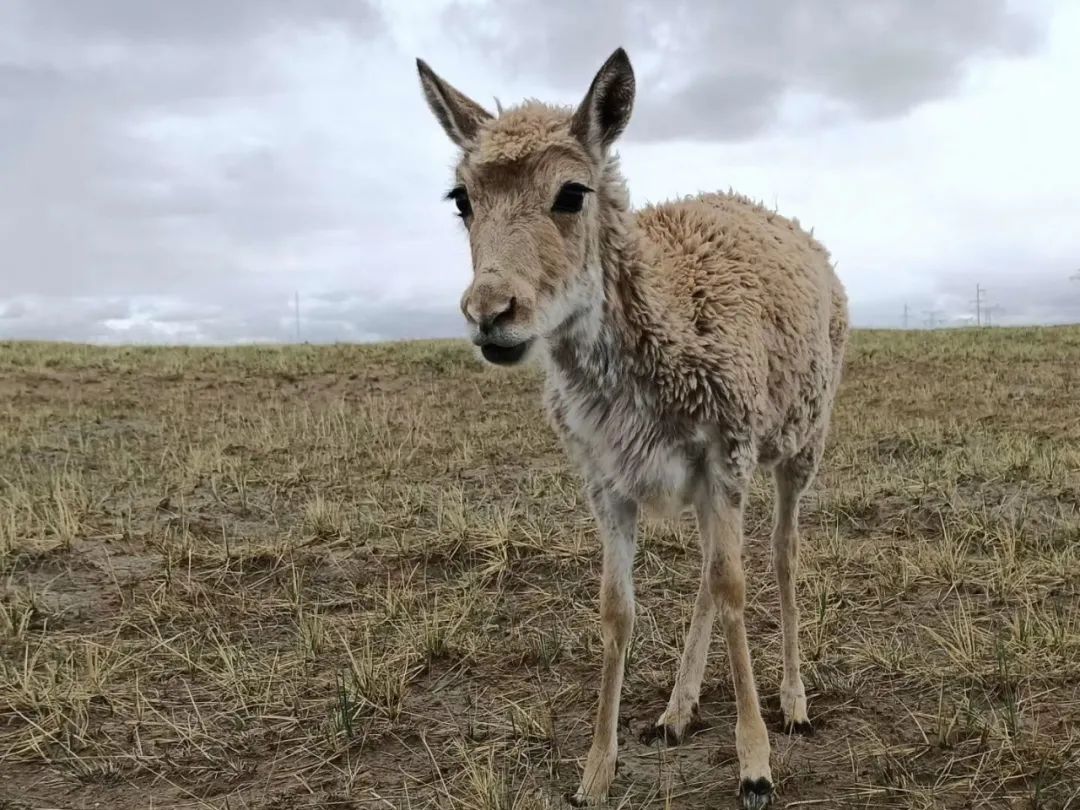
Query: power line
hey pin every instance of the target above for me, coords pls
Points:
(980, 297)
(931, 318)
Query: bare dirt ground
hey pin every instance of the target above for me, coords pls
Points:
(347, 577)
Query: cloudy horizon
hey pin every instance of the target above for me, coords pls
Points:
(179, 174)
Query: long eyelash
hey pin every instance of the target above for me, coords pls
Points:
(570, 198)
(460, 196)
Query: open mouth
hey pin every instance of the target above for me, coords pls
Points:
(504, 355)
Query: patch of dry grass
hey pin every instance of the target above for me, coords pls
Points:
(300, 577)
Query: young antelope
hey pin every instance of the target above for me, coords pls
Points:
(683, 345)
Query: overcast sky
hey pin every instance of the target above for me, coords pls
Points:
(174, 172)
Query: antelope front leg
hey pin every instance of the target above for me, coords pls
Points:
(721, 526)
(617, 519)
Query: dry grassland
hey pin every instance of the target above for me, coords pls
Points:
(343, 577)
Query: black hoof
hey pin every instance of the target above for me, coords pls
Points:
(573, 800)
(803, 728)
(664, 734)
(756, 794)
(669, 736)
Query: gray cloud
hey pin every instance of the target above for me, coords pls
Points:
(729, 105)
(721, 71)
(1012, 297)
(326, 318)
(145, 147)
(194, 21)
(172, 172)
(80, 319)
(12, 310)
(1009, 303)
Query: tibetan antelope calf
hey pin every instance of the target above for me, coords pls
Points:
(683, 345)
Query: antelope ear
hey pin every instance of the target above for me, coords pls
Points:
(459, 115)
(605, 111)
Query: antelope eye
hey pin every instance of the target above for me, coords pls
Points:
(461, 198)
(570, 199)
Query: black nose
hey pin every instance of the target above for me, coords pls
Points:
(492, 320)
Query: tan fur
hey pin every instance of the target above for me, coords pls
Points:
(684, 345)
(525, 131)
(747, 299)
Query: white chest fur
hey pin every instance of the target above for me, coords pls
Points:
(617, 435)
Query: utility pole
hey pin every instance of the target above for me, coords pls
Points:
(297, 299)
(933, 318)
(990, 311)
(905, 315)
(978, 302)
